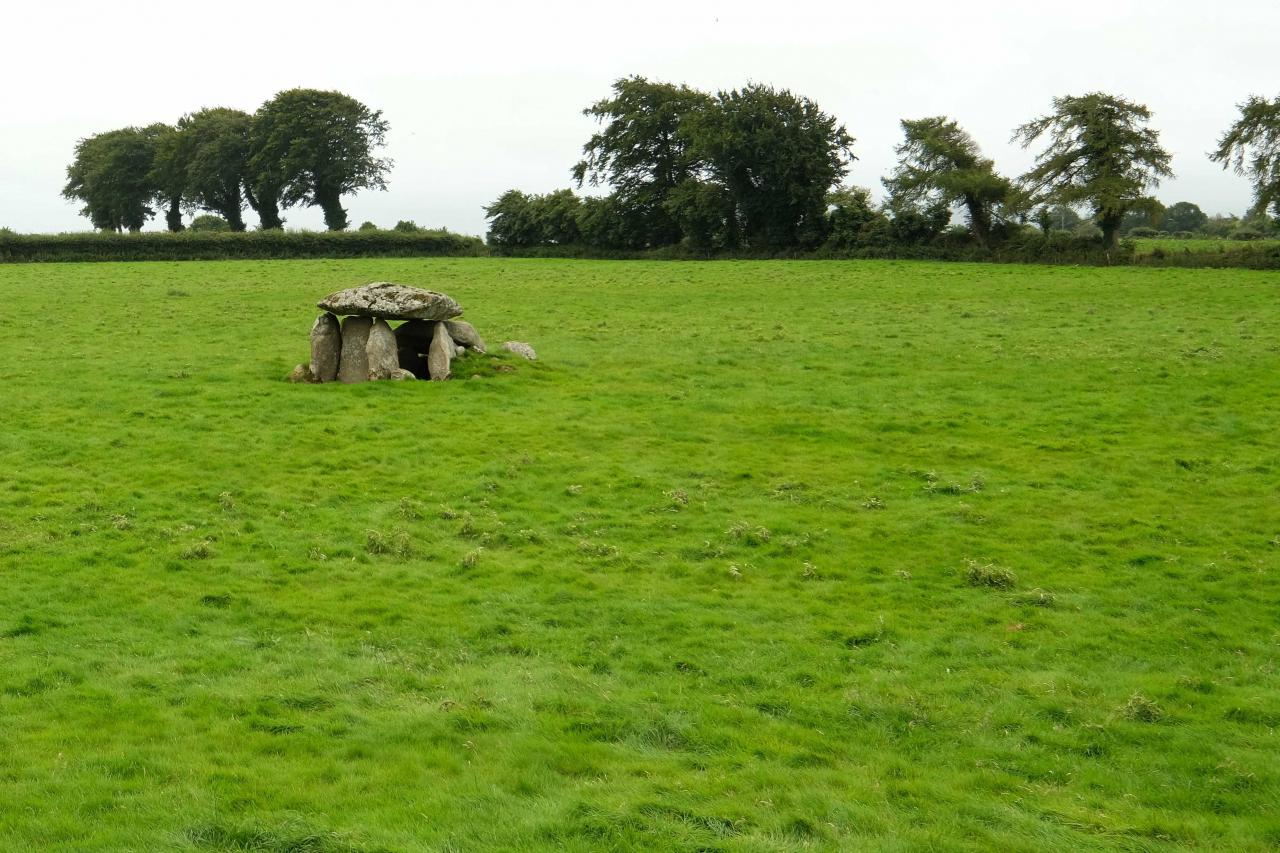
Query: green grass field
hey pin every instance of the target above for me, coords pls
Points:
(1169, 245)
(757, 556)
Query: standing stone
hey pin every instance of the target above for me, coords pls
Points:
(520, 348)
(326, 348)
(380, 351)
(465, 334)
(440, 354)
(354, 363)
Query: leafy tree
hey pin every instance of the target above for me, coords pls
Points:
(852, 218)
(316, 147)
(517, 219)
(367, 226)
(1184, 216)
(169, 172)
(112, 175)
(643, 151)
(216, 146)
(511, 221)
(778, 155)
(1251, 146)
(939, 163)
(406, 226)
(1100, 153)
(705, 212)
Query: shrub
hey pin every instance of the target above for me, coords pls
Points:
(1245, 232)
(225, 245)
(209, 222)
(1142, 232)
(367, 226)
(407, 226)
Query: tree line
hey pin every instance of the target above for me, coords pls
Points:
(761, 169)
(303, 147)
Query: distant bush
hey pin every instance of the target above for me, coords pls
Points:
(216, 245)
(1184, 235)
(209, 222)
(1245, 232)
(367, 226)
(407, 226)
(1142, 231)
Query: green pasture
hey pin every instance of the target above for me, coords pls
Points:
(757, 556)
(1198, 245)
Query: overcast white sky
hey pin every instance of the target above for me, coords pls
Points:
(482, 97)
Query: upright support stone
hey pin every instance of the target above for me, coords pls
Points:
(465, 335)
(380, 351)
(326, 348)
(441, 353)
(354, 364)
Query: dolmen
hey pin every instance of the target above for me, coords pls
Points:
(363, 346)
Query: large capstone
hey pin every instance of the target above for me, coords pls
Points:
(326, 348)
(391, 302)
(354, 366)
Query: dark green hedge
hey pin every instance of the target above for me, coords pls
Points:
(1242, 257)
(192, 246)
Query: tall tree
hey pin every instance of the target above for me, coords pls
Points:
(112, 175)
(643, 152)
(779, 155)
(317, 146)
(1100, 153)
(939, 163)
(1184, 216)
(216, 161)
(169, 172)
(1251, 146)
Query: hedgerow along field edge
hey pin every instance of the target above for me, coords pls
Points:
(759, 555)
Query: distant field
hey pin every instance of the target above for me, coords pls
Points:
(1198, 244)
(758, 556)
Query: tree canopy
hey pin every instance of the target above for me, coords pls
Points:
(112, 175)
(1251, 146)
(215, 143)
(1100, 153)
(318, 146)
(939, 163)
(643, 151)
(778, 155)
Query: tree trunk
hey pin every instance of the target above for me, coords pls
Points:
(335, 218)
(979, 222)
(173, 216)
(267, 207)
(1110, 225)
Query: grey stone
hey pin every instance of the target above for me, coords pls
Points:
(326, 348)
(380, 351)
(465, 334)
(400, 374)
(354, 364)
(440, 354)
(301, 373)
(521, 349)
(391, 302)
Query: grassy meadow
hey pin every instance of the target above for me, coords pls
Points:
(1196, 245)
(758, 556)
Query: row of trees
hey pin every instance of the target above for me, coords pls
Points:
(302, 147)
(760, 168)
